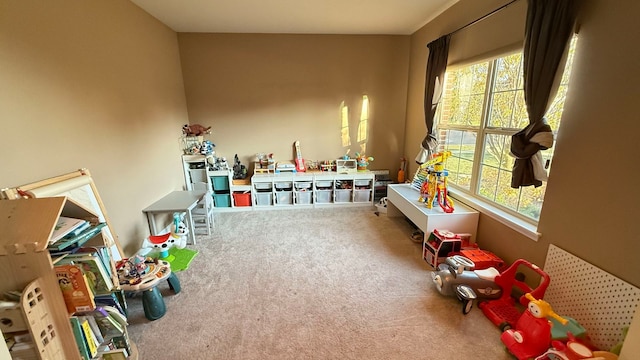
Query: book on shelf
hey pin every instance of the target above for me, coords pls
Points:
(94, 269)
(71, 244)
(115, 354)
(103, 253)
(92, 341)
(114, 299)
(64, 227)
(78, 334)
(75, 290)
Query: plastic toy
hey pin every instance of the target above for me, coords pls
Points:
(456, 277)
(502, 311)
(363, 161)
(176, 238)
(572, 350)
(195, 130)
(532, 334)
(434, 188)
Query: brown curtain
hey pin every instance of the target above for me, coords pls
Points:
(434, 84)
(549, 27)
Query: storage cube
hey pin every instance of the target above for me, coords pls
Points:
(361, 195)
(241, 198)
(222, 200)
(303, 197)
(365, 183)
(264, 198)
(343, 195)
(324, 184)
(324, 196)
(262, 186)
(283, 185)
(220, 183)
(303, 185)
(284, 197)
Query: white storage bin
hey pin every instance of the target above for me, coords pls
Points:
(324, 184)
(343, 196)
(264, 198)
(303, 197)
(284, 197)
(283, 185)
(262, 186)
(361, 195)
(362, 183)
(303, 185)
(323, 196)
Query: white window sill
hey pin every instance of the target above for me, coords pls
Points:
(521, 226)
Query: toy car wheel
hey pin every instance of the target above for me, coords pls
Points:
(504, 326)
(466, 306)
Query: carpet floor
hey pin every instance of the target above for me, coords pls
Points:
(322, 283)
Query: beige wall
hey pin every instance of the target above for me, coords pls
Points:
(261, 92)
(99, 85)
(92, 85)
(589, 208)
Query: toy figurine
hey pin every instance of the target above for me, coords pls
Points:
(195, 130)
(532, 334)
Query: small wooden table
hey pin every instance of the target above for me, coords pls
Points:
(176, 201)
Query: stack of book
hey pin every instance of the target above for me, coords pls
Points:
(98, 307)
(101, 334)
(70, 234)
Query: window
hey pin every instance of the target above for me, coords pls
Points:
(483, 105)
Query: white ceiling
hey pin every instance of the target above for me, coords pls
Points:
(395, 17)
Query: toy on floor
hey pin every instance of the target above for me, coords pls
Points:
(532, 333)
(176, 238)
(140, 274)
(503, 311)
(573, 349)
(457, 277)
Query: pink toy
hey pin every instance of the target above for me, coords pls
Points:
(532, 335)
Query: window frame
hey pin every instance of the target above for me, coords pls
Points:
(472, 197)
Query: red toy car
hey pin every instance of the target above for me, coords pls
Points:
(503, 311)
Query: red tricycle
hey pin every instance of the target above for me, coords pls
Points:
(503, 311)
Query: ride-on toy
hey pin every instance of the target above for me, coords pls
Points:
(457, 277)
(502, 311)
(532, 333)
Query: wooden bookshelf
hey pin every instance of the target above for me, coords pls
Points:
(27, 266)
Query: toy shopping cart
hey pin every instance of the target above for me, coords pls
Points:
(504, 312)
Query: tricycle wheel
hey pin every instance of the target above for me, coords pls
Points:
(466, 306)
(504, 326)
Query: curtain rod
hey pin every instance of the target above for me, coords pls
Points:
(482, 17)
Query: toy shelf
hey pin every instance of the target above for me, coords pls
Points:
(27, 266)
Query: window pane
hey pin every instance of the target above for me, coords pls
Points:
(459, 172)
(464, 95)
(508, 109)
(462, 145)
(488, 182)
(506, 195)
(494, 152)
(508, 73)
(531, 200)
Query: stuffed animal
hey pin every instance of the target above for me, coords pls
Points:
(195, 130)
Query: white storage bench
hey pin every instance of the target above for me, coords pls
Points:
(402, 200)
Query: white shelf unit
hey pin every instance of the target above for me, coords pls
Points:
(195, 170)
(284, 190)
